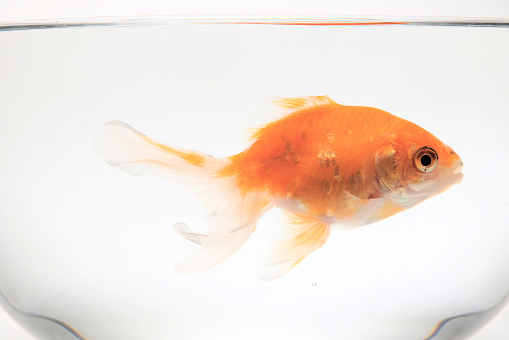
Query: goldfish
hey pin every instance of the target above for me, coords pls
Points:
(325, 165)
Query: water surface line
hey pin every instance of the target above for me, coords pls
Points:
(152, 21)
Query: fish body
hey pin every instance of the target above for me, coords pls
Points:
(324, 165)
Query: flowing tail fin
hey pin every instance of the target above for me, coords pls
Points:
(233, 210)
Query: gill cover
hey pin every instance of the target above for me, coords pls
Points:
(387, 168)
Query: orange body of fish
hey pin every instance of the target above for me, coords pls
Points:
(324, 164)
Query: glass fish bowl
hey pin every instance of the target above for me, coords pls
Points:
(88, 252)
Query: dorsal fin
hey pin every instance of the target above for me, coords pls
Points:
(293, 105)
(303, 102)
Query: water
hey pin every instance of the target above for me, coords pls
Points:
(87, 251)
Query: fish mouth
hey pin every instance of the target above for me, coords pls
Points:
(457, 175)
(452, 178)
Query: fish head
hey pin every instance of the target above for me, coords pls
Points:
(414, 165)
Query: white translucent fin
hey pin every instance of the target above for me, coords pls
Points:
(232, 212)
(190, 235)
(357, 211)
(302, 103)
(301, 236)
(233, 218)
(136, 154)
(221, 247)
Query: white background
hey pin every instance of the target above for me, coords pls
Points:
(21, 10)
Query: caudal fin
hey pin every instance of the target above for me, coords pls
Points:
(233, 212)
(136, 153)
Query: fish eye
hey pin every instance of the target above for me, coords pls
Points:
(425, 159)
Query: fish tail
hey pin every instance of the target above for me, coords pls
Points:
(137, 154)
(232, 208)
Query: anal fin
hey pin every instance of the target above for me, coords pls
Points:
(302, 235)
(190, 235)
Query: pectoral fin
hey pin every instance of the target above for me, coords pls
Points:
(301, 236)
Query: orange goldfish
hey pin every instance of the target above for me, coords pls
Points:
(324, 165)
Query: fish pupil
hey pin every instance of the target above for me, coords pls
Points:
(426, 160)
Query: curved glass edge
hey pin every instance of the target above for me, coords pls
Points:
(466, 324)
(229, 20)
(40, 325)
